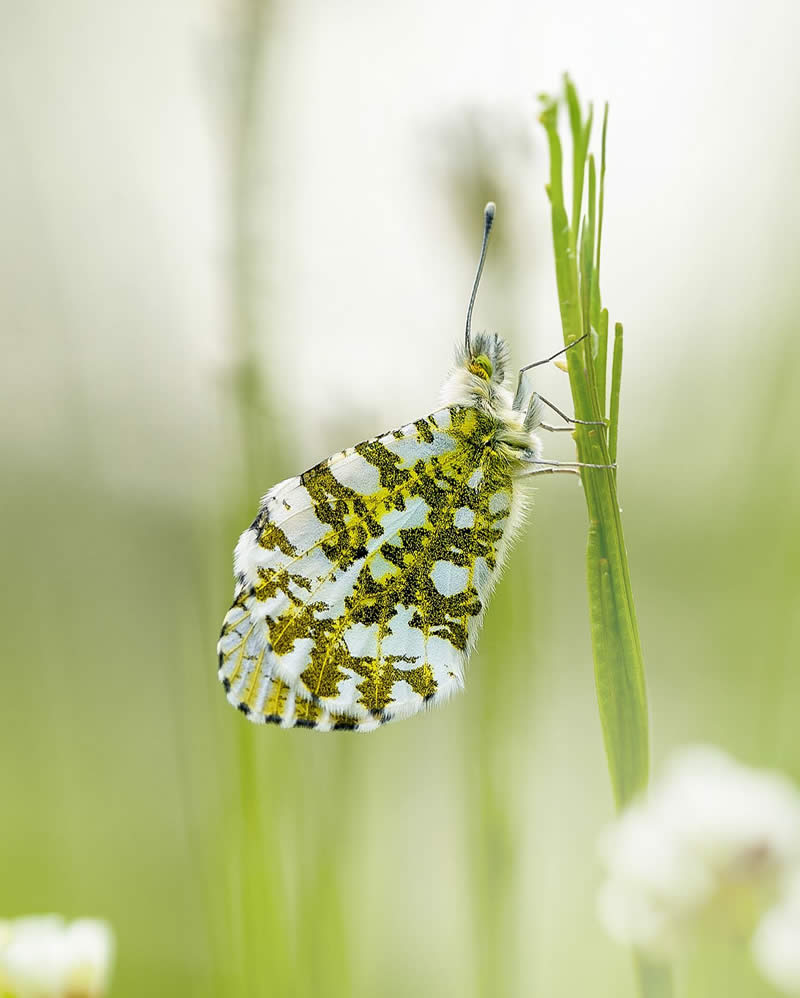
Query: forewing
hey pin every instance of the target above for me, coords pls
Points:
(361, 584)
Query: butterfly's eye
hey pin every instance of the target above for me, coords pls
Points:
(482, 366)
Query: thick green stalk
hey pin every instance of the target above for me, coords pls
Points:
(619, 667)
(620, 676)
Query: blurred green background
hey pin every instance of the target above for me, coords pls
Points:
(239, 236)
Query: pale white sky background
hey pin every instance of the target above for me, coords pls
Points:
(112, 198)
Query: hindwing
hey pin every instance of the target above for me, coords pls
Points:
(361, 584)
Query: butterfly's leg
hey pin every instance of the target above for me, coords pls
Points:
(552, 471)
(555, 429)
(534, 406)
(570, 465)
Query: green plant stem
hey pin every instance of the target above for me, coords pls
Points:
(621, 687)
(620, 678)
(654, 980)
(619, 666)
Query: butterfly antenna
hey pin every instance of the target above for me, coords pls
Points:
(488, 218)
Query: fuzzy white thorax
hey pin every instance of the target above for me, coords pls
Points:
(516, 441)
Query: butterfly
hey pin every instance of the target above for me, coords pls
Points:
(362, 583)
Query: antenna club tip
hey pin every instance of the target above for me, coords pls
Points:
(489, 210)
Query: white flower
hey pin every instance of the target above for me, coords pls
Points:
(706, 846)
(41, 957)
(776, 943)
(91, 948)
(33, 958)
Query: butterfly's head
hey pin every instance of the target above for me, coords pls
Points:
(479, 375)
(486, 358)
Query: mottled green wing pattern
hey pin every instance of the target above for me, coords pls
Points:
(362, 583)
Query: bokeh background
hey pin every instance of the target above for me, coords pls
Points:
(239, 236)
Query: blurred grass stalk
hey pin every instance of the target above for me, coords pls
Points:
(619, 667)
(254, 889)
(284, 891)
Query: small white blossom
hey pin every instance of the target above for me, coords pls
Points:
(91, 948)
(41, 957)
(776, 943)
(34, 958)
(707, 845)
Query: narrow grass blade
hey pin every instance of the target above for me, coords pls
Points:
(616, 379)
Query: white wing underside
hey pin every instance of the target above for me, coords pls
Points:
(294, 598)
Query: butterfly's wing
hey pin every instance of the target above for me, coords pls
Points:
(361, 584)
